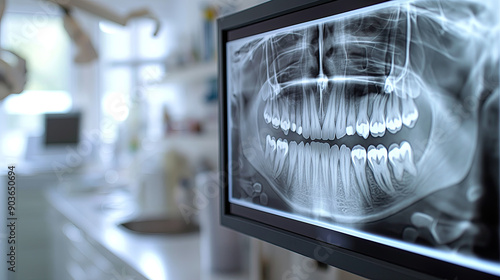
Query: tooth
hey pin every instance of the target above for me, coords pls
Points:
(282, 152)
(358, 156)
(307, 164)
(362, 124)
(300, 163)
(285, 117)
(341, 116)
(325, 164)
(345, 169)
(291, 109)
(377, 160)
(306, 124)
(401, 159)
(351, 119)
(393, 121)
(292, 160)
(377, 120)
(276, 114)
(268, 111)
(315, 166)
(276, 88)
(298, 118)
(328, 131)
(407, 153)
(315, 126)
(266, 91)
(334, 163)
(410, 112)
(270, 152)
(396, 160)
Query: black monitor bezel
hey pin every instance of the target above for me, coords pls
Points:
(400, 264)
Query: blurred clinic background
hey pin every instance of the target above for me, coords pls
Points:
(114, 139)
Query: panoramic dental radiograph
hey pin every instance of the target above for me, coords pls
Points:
(383, 120)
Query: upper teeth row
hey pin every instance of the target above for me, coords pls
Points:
(332, 169)
(370, 114)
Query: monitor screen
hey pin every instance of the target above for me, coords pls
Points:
(365, 134)
(62, 129)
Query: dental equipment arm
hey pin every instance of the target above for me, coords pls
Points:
(100, 11)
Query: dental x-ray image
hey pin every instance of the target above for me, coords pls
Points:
(381, 122)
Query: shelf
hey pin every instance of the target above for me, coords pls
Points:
(198, 72)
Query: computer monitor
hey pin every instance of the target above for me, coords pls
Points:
(365, 133)
(62, 129)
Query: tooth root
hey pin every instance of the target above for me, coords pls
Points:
(285, 116)
(292, 160)
(315, 126)
(306, 124)
(377, 160)
(276, 89)
(281, 154)
(334, 163)
(410, 112)
(362, 124)
(325, 165)
(345, 170)
(328, 132)
(300, 163)
(393, 120)
(307, 163)
(377, 120)
(315, 165)
(351, 119)
(316, 173)
(407, 153)
(298, 118)
(358, 156)
(276, 114)
(341, 116)
(268, 111)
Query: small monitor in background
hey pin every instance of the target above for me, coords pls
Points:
(62, 129)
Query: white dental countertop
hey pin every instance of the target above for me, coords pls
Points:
(156, 257)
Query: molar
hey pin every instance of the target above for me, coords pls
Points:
(377, 160)
(393, 121)
(401, 159)
(410, 112)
